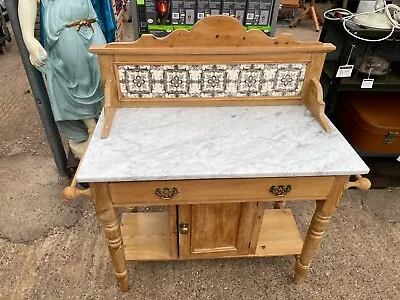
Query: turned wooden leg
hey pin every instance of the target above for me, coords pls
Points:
(319, 223)
(109, 217)
(313, 239)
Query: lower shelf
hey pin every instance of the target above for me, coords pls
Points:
(279, 234)
(146, 235)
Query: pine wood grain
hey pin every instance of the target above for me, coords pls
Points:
(213, 40)
(246, 226)
(259, 217)
(319, 222)
(110, 96)
(108, 215)
(200, 59)
(215, 101)
(219, 190)
(279, 234)
(214, 227)
(173, 230)
(214, 34)
(184, 216)
(316, 105)
(147, 236)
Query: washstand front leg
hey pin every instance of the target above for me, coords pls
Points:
(108, 215)
(312, 241)
(319, 222)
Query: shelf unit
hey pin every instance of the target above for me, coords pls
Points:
(140, 25)
(382, 165)
(147, 236)
(390, 82)
(334, 32)
(279, 234)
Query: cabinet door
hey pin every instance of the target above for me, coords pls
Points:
(215, 230)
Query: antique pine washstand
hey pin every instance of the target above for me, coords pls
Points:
(212, 124)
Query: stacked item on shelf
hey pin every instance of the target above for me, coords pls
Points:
(141, 13)
(158, 17)
(207, 8)
(235, 9)
(370, 121)
(161, 17)
(118, 8)
(183, 13)
(258, 15)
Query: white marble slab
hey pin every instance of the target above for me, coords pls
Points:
(216, 142)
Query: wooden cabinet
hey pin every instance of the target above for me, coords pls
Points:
(213, 218)
(210, 231)
(214, 168)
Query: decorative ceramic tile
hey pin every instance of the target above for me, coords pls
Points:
(188, 81)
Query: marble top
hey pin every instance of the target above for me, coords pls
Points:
(216, 142)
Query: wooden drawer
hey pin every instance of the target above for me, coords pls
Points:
(218, 190)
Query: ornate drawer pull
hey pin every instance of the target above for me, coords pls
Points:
(166, 193)
(280, 190)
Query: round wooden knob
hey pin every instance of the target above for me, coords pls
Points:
(69, 192)
(363, 184)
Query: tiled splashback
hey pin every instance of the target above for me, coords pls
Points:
(208, 81)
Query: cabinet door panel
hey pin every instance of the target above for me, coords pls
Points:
(214, 227)
(216, 230)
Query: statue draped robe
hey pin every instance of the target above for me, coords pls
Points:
(72, 72)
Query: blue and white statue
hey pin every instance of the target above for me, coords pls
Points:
(69, 28)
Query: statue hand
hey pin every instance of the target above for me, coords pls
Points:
(37, 54)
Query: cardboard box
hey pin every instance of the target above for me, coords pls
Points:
(215, 7)
(183, 13)
(258, 14)
(141, 9)
(158, 24)
(208, 7)
(235, 8)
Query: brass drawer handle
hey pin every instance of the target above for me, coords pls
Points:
(280, 190)
(166, 193)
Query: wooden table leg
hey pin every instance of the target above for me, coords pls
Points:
(315, 18)
(109, 217)
(319, 223)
